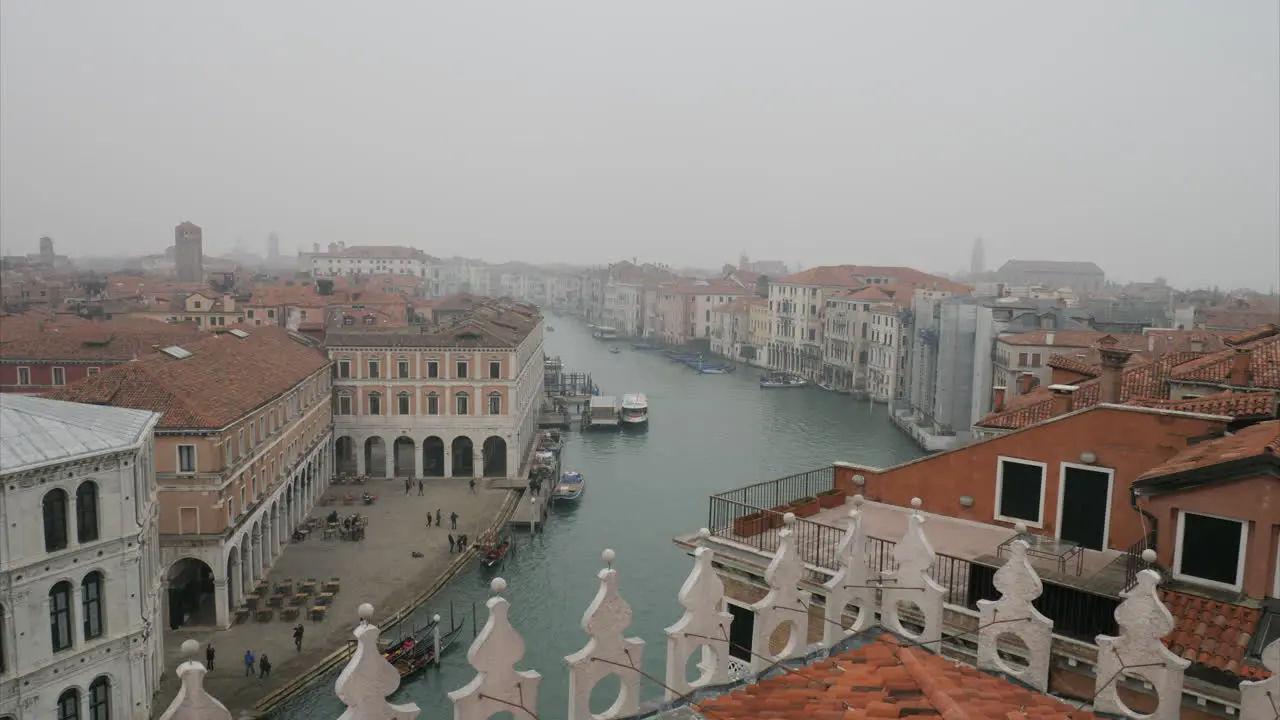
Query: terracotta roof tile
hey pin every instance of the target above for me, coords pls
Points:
(107, 341)
(1248, 336)
(1264, 365)
(1243, 320)
(1142, 379)
(883, 679)
(1235, 405)
(1263, 438)
(1074, 339)
(501, 323)
(210, 389)
(1213, 633)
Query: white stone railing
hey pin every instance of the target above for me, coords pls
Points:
(498, 686)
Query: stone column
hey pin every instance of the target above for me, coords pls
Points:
(447, 470)
(221, 605)
(246, 574)
(477, 463)
(257, 556)
(357, 447)
(77, 616)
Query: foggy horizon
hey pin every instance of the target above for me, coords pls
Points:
(1144, 137)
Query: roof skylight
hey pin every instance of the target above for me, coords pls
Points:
(176, 352)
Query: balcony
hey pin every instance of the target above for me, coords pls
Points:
(1081, 587)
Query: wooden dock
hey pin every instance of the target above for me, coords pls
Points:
(530, 516)
(551, 420)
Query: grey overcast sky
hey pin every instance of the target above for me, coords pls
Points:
(1143, 135)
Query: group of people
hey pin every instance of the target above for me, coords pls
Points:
(255, 665)
(439, 519)
(457, 544)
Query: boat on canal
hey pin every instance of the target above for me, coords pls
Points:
(635, 410)
(603, 332)
(494, 547)
(614, 350)
(424, 653)
(602, 413)
(551, 441)
(781, 380)
(570, 489)
(397, 649)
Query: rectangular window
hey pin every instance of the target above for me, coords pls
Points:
(433, 404)
(495, 369)
(402, 403)
(59, 376)
(60, 616)
(186, 458)
(91, 371)
(374, 368)
(1022, 359)
(1210, 550)
(226, 451)
(24, 376)
(462, 369)
(1020, 491)
(91, 607)
(344, 404)
(433, 368)
(344, 368)
(461, 401)
(402, 368)
(253, 432)
(231, 512)
(495, 404)
(1035, 359)
(375, 404)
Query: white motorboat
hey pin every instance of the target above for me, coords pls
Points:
(782, 380)
(635, 410)
(603, 332)
(570, 488)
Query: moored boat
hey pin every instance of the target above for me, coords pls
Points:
(603, 332)
(614, 350)
(424, 653)
(570, 489)
(781, 380)
(493, 548)
(602, 412)
(635, 410)
(550, 441)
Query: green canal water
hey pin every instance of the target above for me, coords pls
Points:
(707, 433)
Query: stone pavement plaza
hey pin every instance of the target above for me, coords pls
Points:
(379, 570)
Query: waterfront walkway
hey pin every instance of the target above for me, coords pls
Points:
(379, 570)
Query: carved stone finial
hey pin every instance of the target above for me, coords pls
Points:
(1149, 556)
(607, 652)
(1138, 652)
(369, 679)
(850, 584)
(192, 702)
(911, 583)
(1258, 698)
(498, 686)
(704, 533)
(785, 604)
(1019, 586)
(704, 628)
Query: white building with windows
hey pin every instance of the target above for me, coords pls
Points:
(368, 260)
(80, 573)
(454, 399)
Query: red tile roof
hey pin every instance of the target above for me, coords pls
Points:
(1248, 336)
(1140, 379)
(1264, 365)
(226, 378)
(1074, 339)
(1235, 405)
(115, 340)
(1255, 440)
(1213, 633)
(884, 679)
(1240, 319)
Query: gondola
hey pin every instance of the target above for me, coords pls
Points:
(401, 647)
(424, 653)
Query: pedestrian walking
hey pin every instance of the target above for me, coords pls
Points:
(264, 667)
(297, 636)
(421, 487)
(453, 520)
(472, 484)
(248, 663)
(408, 485)
(451, 542)
(428, 519)
(208, 656)
(438, 517)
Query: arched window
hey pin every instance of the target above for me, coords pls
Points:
(495, 403)
(375, 403)
(402, 403)
(433, 403)
(100, 698)
(462, 402)
(69, 704)
(55, 520)
(60, 616)
(91, 604)
(87, 512)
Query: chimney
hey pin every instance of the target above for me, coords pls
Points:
(997, 398)
(1063, 399)
(1197, 344)
(1241, 370)
(1151, 342)
(1025, 382)
(1113, 362)
(1048, 338)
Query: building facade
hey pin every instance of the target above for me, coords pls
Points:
(188, 247)
(241, 457)
(367, 260)
(454, 399)
(80, 573)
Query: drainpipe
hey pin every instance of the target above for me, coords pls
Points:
(1155, 522)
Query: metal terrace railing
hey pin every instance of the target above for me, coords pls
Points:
(1077, 613)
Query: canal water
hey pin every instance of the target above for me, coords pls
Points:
(707, 433)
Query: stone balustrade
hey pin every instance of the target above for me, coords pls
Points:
(499, 687)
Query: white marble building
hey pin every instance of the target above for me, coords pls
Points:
(79, 561)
